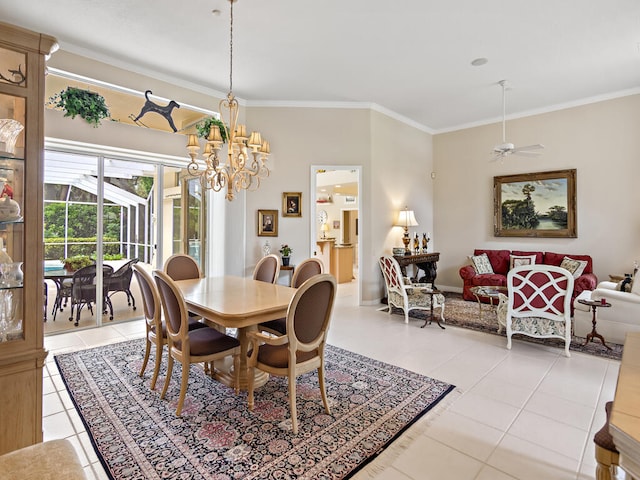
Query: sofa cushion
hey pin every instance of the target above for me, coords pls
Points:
(518, 260)
(499, 259)
(551, 258)
(539, 255)
(576, 267)
(482, 264)
(490, 280)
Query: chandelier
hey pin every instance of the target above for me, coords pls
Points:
(246, 155)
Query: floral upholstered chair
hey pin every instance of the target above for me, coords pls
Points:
(403, 294)
(538, 303)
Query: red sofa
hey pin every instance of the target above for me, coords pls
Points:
(499, 260)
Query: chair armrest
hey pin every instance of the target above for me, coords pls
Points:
(255, 337)
(615, 296)
(467, 272)
(586, 281)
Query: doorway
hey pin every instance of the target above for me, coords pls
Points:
(334, 231)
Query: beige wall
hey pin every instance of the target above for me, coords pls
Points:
(600, 140)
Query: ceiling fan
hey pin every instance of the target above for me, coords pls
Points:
(505, 148)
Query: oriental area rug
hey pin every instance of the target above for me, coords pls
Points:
(138, 436)
(463, 313)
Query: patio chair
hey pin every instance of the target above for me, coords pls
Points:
(120, 281)
(303, 272)
(301, 350)
(267, 269)
(191, 346)
(538, 303)
(83, 291)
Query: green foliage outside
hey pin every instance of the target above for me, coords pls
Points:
(54, 247)
(74, 101)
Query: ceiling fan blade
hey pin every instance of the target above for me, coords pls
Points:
(527, 154)
(537, 146)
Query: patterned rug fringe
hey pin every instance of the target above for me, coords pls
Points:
(389, 455)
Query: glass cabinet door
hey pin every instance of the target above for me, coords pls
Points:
(13, 72)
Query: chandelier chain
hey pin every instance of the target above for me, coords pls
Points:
(231, 49)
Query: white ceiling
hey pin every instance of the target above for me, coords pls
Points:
(410, 58)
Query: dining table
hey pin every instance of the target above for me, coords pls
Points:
(236, 302)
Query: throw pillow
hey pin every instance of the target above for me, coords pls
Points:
(482, 264)
(576, 267)
(518, 260)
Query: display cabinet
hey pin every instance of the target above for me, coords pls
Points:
(22, 353)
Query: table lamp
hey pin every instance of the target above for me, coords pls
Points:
(325, 229)
(406, 219)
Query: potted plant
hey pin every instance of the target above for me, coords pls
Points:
(285, 250)
(76, 262)
(204, 126)
(75, 101)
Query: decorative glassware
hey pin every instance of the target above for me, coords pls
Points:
(9, 131)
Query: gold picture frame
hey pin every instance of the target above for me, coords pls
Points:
(267, 223)
(292, 204)
(539, 204)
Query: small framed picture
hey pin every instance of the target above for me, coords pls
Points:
(349, 199)
(292, 204)
(267, 223)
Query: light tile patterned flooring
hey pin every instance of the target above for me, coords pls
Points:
(527, 414)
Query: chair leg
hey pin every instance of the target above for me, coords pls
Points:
(323, 390)
(251, 371)
(183, 386)
(292, 402)
(156, 367)
(236, 370)
(147, 351)
(169, 372)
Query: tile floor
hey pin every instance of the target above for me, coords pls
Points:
(528, 413)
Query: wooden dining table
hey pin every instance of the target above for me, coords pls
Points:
(236, 302)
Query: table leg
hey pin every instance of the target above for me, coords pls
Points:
(431, 317)
(228, 377)
(594, 334)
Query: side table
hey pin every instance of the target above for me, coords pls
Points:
(594, 334)
(491, 292)
(431, 292)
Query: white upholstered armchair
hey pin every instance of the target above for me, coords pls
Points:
(404, 295)
(538, 303)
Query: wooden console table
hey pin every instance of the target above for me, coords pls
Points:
(427, 262)
(624, 425)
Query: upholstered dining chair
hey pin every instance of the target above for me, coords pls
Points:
(181, 267)
(155, 327)
(538, 303)
(405, 295)
(301, 349)
(267, 269)
(203, 345)
(83, 291)
(303, 272)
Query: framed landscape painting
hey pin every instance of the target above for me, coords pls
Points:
(535, 204)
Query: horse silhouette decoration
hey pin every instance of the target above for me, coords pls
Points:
(164, 110)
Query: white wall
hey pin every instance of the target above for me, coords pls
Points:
(600, 140)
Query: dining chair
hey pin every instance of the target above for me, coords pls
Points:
(303, 272)
(301, 349)
(181, 267)
(155, 327)
(538, 303)
(267, 269)
(203, 345)
(83, 291)
(405, 295)
(120, 281)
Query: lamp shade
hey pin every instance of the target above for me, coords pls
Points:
(406, 218)
(325, 227)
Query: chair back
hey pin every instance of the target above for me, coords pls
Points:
(150, 298)
(125, 272)
(181, 267)
(392, 274)
(83, 282)
(309, 314)
(267, 269)
(540, 291)
(175, 310)
(305, 270)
